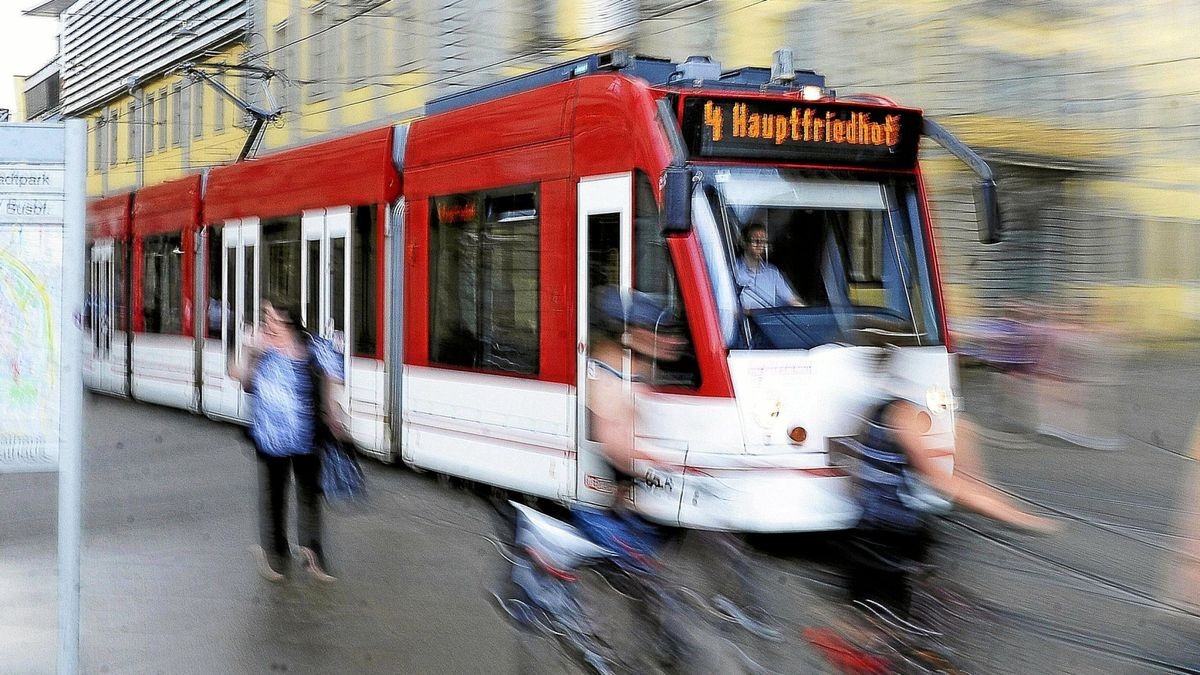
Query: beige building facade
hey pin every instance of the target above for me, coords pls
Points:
(1087, 109)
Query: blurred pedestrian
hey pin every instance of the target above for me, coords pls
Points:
(288, 375)
(1183, 572)
(902, 483)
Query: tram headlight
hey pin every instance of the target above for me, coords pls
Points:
(939, 400)
(766, 412)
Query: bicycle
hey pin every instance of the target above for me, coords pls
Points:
(544, 596)
(866, 637)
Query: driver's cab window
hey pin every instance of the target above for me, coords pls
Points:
(816, 259)
(813, 258)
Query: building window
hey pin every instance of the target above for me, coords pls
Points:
(219, 104)
(176, 116)
(283, 57)
(163, 120)
(185, 114)
(323, 55)
(98, 145)
(149, 124)
(363, 263)
(483, 274)
(196, 91)
(113, 147)
(401, 50)
(366, 53)
(162, 284)
(135, 132)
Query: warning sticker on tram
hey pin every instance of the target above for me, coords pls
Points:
(801, 132)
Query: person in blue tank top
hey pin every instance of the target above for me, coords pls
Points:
(901, 486)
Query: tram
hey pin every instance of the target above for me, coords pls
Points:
(453, 256)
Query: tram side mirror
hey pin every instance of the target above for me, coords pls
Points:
(677, 200)
(987, 212)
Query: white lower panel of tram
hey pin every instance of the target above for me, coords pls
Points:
(497, 430)
(163, 370)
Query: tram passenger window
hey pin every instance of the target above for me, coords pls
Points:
(216, 306)
(363, 281)
(337, 283)
(89, 288)
(484, 281)
(162, 284)
(249, 318)
(312, 311)
(119, 290)
(654, 274)
(281, 259)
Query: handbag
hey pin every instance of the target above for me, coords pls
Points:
(342, 480)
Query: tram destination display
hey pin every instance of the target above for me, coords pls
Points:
(800, 132)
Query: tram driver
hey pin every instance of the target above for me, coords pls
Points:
(760, 283)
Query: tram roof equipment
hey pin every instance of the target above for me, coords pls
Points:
(696, 71)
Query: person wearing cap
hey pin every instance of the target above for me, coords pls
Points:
(761, 284)
(641, 325)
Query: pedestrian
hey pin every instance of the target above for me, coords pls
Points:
(288, 375)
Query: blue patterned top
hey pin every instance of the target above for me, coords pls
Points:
(283, 413)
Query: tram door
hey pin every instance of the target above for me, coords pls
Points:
(239, 317)
(324, 265)
(108, 364)
(605, 241)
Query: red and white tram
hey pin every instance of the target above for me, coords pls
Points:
(453, 257)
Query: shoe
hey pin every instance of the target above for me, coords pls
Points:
(314, 562)
(266, 568)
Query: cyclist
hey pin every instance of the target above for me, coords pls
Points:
(901, 486)
(628, 331)
(634, 329)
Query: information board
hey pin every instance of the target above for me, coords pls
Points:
(34, 230)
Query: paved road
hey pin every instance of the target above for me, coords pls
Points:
(168, 584)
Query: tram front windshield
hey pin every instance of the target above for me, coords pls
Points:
(802, 258)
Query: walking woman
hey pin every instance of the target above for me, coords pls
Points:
(289, 376)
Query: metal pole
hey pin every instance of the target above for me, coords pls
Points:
(70, 474)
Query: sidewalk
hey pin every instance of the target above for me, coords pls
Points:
(169, 585)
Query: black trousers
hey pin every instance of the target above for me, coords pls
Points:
(273, 475)
(880, 566)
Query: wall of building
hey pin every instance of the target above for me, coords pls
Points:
(1087, 109)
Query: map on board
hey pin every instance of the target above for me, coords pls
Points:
(30, 307)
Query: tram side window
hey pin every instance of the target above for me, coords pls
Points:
(654, 274)
(281, 260)
(119, 290)
(364, 281)
(216, 307)
(90, 289)
(162, 284)
(484, 281)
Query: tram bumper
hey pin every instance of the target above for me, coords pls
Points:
(754, 498)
